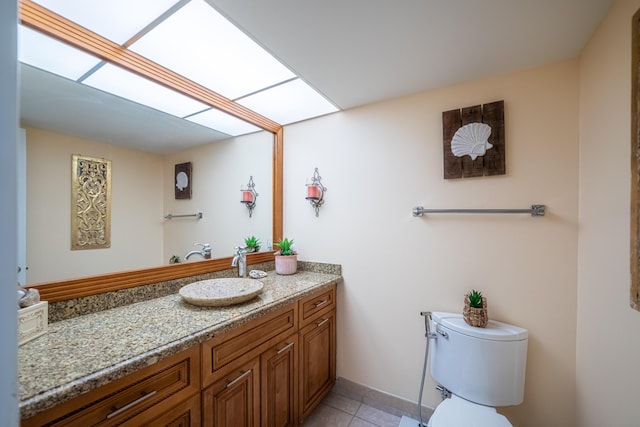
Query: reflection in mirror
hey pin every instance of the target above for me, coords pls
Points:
(219, 170)
(139, 174)
(63, 118)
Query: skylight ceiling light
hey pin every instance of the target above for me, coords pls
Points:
(117, 81)
(188, 37)
(203, 46)
(48, 54)
(216, 119)
(116, 20)
(289, 103)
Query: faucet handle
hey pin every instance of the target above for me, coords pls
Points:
(206, 248)
(240, 250)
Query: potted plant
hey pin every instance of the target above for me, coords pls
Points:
(286, 258)
(252, 244)
(475, 309)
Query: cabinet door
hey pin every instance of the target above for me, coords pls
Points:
(234, 400)
(317, 361)
(279, 383)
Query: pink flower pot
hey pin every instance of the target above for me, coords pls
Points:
(286, 264)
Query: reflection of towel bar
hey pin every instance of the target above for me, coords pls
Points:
(196, 215)
(536, 210)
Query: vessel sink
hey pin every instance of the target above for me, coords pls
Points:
(221, 292)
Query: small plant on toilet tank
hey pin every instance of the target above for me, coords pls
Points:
(475, 309)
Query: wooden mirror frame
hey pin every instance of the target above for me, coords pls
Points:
(45, 21)
(635, 162)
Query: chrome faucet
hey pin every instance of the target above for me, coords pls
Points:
(240, 260)
(204, 253)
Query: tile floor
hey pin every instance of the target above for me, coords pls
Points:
(337, 410)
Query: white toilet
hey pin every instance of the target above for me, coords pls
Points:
(480, 367)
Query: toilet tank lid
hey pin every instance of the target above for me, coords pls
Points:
(495, 331)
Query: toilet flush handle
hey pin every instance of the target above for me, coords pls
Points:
(441, 332)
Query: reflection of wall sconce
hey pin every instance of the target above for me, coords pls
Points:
(249, 195)
(315, 191)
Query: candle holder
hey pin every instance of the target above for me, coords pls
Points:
(249, 195)
(315, 191)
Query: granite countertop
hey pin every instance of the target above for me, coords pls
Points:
(83, 353)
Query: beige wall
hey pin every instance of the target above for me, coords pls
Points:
(219, 169)
(608, 350)
(380, 161)
(136, 209)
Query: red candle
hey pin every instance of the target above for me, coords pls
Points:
(247, 196)
(313, 192)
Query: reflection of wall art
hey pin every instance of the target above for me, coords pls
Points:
(90, 203)
(183, 180)
(473, 140)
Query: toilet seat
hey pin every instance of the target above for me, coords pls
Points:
(456, 412)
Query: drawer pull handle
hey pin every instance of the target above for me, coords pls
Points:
(244, 374)
(322, 322)
(131, 404)
(321, 303)
(285, 348)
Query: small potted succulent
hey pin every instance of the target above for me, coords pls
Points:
(475, 309)
(252, 244)
(286, 258)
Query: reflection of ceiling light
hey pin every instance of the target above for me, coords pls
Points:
(222, 122)
(48, 54)
(188, 37)
(138, 89)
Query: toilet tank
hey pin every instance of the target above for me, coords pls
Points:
(482, 365)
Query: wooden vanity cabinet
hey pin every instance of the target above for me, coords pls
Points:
(234, 399)
(279, 383)
(153, 394)
(317, 366)
(235, 364)
(271, 371)
(294, 351)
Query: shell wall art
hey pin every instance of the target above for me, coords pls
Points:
(471, 140)
(474, 141)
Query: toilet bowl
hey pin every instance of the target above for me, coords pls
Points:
(457, 412)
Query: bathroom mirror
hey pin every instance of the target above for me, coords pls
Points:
(269, 186)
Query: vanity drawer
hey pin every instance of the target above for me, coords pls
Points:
(143, 395)
(246, 341)
(320, 302)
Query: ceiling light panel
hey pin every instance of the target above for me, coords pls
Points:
(117, 81)
(289, 102)
(223, 122)
(48, 54)
(116, 20)
(203, 46)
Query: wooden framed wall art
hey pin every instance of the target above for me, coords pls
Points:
(182, 175)
(474, 141)
(90, 203)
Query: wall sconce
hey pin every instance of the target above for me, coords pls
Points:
(249, 195)
(315, 191)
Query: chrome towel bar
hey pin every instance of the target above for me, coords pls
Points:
(536, 210)
(196, 215)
